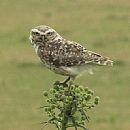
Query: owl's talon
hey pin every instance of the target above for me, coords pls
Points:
(57, 83)
(65, 82)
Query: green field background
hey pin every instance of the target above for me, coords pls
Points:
(102, 26)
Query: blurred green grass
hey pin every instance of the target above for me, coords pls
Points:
(99, 25)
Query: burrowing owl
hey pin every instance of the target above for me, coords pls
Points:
(64, 57)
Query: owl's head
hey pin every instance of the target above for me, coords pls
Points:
(42, 34)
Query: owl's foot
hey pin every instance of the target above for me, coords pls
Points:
(66, 81)
(64, 84)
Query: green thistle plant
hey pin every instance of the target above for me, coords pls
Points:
(67, 106)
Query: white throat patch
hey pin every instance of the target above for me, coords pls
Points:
(35, 47)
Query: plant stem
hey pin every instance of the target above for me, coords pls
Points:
(67, 112)
(66, 116)
(64, 122)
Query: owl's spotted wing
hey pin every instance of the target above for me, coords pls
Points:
(75, 54)
(67, 53)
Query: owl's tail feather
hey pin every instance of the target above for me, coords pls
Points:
(109, 63)
(104, 61)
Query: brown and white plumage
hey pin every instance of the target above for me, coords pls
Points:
(64, 57)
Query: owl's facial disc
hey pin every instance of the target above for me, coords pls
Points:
(43, 34)
(36, 36)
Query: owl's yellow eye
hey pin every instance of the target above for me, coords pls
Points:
(36, 33)
(49, 33)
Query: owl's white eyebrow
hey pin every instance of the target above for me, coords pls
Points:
(49, 30)
(36, 30)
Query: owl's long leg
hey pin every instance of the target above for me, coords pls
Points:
(65, 82)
